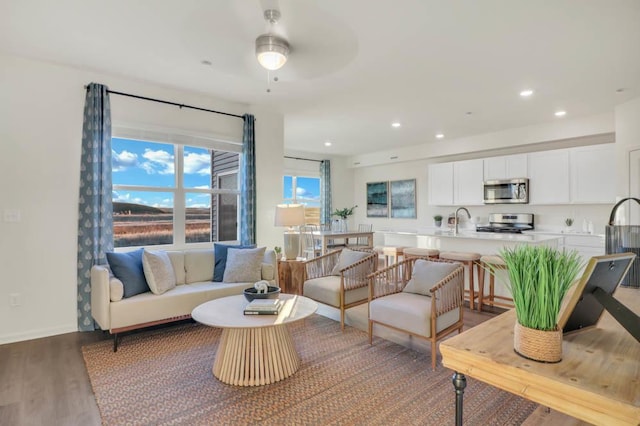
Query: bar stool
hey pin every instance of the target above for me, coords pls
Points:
(421, 252)
(470, 261)
(389, 254)
(487, 264)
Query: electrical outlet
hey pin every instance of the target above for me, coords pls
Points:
(15, 299)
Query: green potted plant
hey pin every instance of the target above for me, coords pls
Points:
(343, 214)
(437, 219)
(539, 278)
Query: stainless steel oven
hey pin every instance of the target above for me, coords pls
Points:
(506, 191)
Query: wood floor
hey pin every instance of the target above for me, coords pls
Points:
(44, 381)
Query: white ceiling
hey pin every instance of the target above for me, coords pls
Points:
(357, 65)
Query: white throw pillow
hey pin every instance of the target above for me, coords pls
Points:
(158, 271)
(348, 257)
(268, 272)
(244, 265)
(426, 274)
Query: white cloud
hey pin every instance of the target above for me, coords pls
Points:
(202, 187)
(197, 163)
(159, 161)
(303, 194)
(123, 160)
(116, 196)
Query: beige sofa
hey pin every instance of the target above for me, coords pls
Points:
(194, 274)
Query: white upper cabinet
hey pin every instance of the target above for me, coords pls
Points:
(593, 174)
(549, 177)
(467, 180)
(505, 167)
(441, 184)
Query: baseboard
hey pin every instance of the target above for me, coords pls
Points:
(37, 334)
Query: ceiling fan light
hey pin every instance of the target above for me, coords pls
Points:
(272, 51)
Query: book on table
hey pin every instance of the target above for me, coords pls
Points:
(263, 307)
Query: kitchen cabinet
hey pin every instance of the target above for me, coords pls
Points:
(441, 184)
(549, 177)
(587, 245)
(593, 174)
(467, 182)
(505, 167)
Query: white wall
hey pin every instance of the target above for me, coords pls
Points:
(41, 111)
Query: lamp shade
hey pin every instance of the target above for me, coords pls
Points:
(272, 51)
(289, 215)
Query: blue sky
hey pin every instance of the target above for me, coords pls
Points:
(151, 164)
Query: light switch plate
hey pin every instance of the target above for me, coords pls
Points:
(12, 215)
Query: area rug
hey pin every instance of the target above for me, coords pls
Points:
(164, 377)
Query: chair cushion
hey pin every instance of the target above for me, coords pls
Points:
(127, 267)
(327, 290)
(426, 274)
(158, 271)
(348, 257)
(220, 254)
(244, 265)
(410, 312)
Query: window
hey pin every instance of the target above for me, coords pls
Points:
(304, 190)
(170, 194)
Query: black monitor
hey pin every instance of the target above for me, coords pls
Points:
(593, 294)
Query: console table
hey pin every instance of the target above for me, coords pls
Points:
(597, 381)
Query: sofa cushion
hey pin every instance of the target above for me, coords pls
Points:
(426, 274)
(244, 265)
(348, 257)
(410, 312)
(221, 258)
(127, 267)
(327, 290)
(198, 265)
(116, 289)
(158, 271)
(177, 262)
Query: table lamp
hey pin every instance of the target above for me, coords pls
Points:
(290, 215)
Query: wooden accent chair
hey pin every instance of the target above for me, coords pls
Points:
(424, 298)
(339, 278)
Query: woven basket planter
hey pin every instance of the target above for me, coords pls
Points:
(537, 345)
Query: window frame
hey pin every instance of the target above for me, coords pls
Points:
(179, 191)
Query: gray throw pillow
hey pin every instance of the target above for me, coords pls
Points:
(244, 265)
(348, 257)
(158, 271)
(426, 274)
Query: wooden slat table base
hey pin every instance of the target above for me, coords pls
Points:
(255, 356)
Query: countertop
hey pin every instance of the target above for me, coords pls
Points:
(472, 234)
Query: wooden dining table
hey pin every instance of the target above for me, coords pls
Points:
(597, 381)
(326, 236)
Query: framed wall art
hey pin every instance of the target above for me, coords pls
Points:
(377, 199)
(403, 198)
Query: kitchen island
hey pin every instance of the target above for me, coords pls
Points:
(468, 240)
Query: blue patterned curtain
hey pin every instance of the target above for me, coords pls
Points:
(95, 220)
(325, 191)
(248, 182)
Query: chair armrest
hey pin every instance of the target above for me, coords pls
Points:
(391, 279)
(448, 293)
(355, 275)
(100, 296)
(321, 266)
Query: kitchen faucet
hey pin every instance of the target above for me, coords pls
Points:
(455, 219)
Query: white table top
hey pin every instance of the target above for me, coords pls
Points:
(227, 312)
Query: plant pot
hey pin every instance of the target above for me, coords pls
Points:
(537, 345)
(438, 223)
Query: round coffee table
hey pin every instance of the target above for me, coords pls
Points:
(254, 349)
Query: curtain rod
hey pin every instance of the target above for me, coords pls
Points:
(170, 103)
(304, 159)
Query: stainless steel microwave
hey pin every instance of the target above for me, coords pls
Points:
(506, 191)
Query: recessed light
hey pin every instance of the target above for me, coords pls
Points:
(327, 143)
(439, 135)
(468, 113)
(205, 62)
(560, 113)
(526, 93)
(620, 90)
(395, 124)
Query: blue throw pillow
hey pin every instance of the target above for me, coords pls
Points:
(220, 256)
(127, 267)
